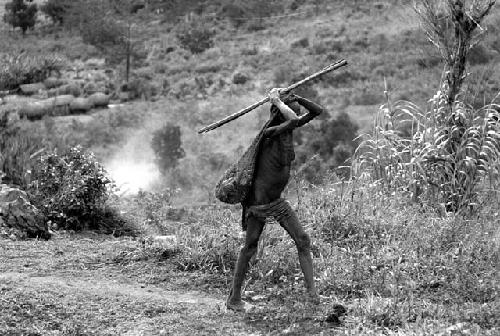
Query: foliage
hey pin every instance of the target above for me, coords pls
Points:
(27, 68)
(71, 189)
(98, 27)
(196, 35)
(20, 14)
(425, 165)
(167, 147)
(56, 10)
(454, 44)
(109, 27)
(333, 142)
(394, 265)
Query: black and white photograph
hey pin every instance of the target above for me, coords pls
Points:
(249, 167)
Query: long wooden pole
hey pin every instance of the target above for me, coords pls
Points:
(238, 114)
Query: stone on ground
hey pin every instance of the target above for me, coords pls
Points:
(18, 216)
(99, 99)
(79, 105)
(31, 89)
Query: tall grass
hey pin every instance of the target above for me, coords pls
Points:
(411, 150)
(395, 264)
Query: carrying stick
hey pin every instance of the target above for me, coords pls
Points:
(238, 114)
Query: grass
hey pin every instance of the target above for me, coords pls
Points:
(398, 268)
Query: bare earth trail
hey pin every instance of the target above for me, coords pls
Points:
(74, 286)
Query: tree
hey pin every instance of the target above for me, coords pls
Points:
(109, 26)
(451, 25)
(20, 14)
(453, 40)
(167, 147)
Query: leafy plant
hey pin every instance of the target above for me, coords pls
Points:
(71, 189)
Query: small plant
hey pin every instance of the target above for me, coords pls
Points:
(195, 36)
(20, 14)
(71, 189)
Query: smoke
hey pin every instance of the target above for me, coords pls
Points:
(132, 167)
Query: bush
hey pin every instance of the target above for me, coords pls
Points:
(334, 141)
(56, 10)
(195, 36)
(167, 146)
(71, 189)
(19, 14)
(25, 69)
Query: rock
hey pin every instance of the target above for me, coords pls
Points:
(61, 104)
(63, 100)
(67, 89)
(18, 100)
(19, 214)
(79, 105)
(52, 83)
(31, 89)
(123, 96)
(240, 78)
(99, 99)
(95, 62)
(36, 110)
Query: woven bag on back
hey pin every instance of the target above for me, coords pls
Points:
(236, 182)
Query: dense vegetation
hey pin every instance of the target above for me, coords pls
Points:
(398, 186)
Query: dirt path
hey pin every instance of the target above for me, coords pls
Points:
(71, 285)
(47, 289)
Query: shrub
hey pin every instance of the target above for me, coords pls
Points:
(71, 189)
(24, 69)
(56, 10)
(334, 142)
(167, 147)
(19, 14)
(195, 36)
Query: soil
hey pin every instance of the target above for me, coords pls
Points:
(100, 285)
